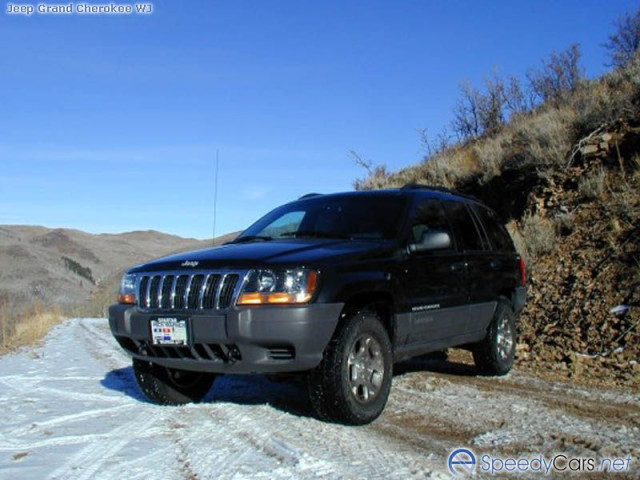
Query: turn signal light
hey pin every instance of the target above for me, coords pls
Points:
(127, 299)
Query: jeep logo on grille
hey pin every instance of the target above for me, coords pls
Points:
(190, 263)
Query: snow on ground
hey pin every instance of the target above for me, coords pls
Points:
(71, 409)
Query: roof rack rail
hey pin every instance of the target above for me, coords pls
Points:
(309, 195)
(436, 188)
(420, 186)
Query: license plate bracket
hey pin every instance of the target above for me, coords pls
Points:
(170, 331)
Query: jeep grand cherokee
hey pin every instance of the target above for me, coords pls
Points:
(337, 287)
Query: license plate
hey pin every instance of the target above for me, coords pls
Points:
(169, 331)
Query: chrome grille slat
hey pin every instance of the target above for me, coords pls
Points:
(219, 290)
(172, 303)
(187, 291)
(167, 288)
(196, 290)
(154, 285)
(181, 288)
(227, 290)
(203, 289)
(147, 299)
(161, 290)
(212, 292)
(143, 289)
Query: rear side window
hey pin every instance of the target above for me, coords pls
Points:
(498, 235)
(465, 227)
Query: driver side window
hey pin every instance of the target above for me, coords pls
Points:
(428, 216)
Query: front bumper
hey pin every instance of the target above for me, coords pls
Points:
(267, 339)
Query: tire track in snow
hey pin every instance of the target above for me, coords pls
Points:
(298, 447)
(71, 418)
(98, 341)
(90, 459)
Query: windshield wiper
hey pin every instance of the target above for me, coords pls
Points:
(313, 234)
(251, 238)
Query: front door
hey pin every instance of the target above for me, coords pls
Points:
(435, 281)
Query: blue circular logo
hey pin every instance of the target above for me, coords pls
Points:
(462, 461)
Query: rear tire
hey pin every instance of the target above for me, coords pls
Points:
(352, 383)
(171, 386)
(495, 354)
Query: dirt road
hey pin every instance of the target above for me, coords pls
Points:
(71, 409)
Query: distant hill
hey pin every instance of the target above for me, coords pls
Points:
(67, 268)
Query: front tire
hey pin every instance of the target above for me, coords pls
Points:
(495, 354)
(352, 383)
(170, 386)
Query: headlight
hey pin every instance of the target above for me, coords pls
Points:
(278, 287)
(127, 293)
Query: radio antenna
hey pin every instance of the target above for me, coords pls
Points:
(215, 200)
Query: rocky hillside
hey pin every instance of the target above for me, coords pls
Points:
(564, 174)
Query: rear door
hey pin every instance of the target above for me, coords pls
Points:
(499, 263)
(479, 265)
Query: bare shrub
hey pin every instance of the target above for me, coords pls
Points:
(492, 105)
(624, 43)
(377, 175)
(592, 186)
(466, 113)
(480, 112)
(559, 76)
(378, 178)
(539, 235)
(434, 145)
(517, 100)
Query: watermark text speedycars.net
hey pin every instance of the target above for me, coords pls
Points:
(464, 461)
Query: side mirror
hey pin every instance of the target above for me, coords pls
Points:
(431, 240)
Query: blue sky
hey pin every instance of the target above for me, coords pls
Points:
(112, 123)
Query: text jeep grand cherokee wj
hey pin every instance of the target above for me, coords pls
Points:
(336, 286)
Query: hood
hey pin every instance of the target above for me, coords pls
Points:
(299, 252)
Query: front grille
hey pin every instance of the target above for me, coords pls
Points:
(188, 291)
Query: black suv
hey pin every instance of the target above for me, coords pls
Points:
(338, 287)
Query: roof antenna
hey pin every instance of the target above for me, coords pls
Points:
(215, 200)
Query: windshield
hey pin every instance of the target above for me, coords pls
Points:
(347, 216)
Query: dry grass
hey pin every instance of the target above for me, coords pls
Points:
(542, 139)
(26, 328)
(446, 169)
(592, 186)
(539, 235)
